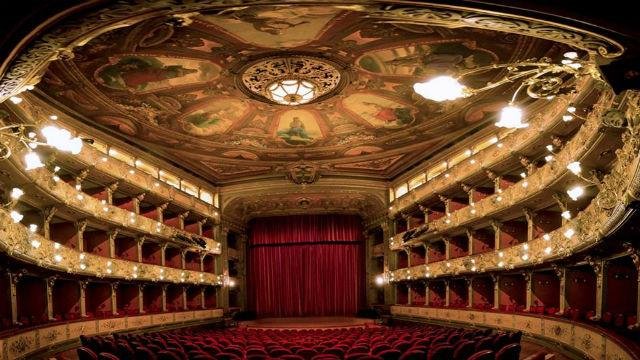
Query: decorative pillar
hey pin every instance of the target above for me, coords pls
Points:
(599, 268)
(496, 181)
(203, 302)
(81, 226)
(49, 283)
(139, 242)
(407, 220)
(470, 192)
(184, 298)
(469, 233)
(160, 211)
(164, 297)
(202, 256)
(496, 225)
(181, 218)
(163, 255)
(389, 260)
(141, 298)
(407, 250)
(561, 273)
(201, 223)
(224, 267)
(83, 298)
(469, 282)
(409, 297)
(110, 189)
(47, 215)
(80, 178)
(183, 259)
(114, 298)
(528, 214)
(496, 291)
(562, 203)
(426, 252)
(111, 236)
(447, 247)
(528, 277)
(425, 212)
(426, 293)
(13, 282)
(447, 204)
(447, 297)
(136, 202)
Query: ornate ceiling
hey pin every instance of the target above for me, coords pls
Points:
(190, 88)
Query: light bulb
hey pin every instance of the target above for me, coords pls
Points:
(56, 245)
(501, 264)
(441, 88)
(523, 175)
(15, 99)
(53, 117)
(35, 243)
(525, 257)
(82, 256)
(33, 228)
(32, 161)
(16, 193)
(575, 167)
(83, 266)
(16, 216)
(57, 258)
(571, 55)
(566, 214)
(567, 117)
(548, 158)
(549, 147)
(575, 192)
(232, 283)
(379, 280)
(547, 250)
(546, 237)
(569, 233)
(525, 246)
(571, 109)
(501, 254)
(511, 118)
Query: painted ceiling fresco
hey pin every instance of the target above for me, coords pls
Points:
(175, 87)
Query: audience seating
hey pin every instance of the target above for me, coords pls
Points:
(401, 342)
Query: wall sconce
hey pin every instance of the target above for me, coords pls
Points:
(539, 78)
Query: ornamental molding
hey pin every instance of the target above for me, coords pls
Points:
(599, 219)
(27, 67)
(538, 181)
(487, 158)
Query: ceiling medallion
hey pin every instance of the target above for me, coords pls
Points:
(291, 79)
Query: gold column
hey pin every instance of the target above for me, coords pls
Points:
(426, 293)
(469, 233)
(184, 298)
(447, 247)
(141, 298)
(183, 259)
(495, 225)
(139, 242)
(163, 255)
(599, 267)
(13, 282)
(160, 211)
(447, 296)
(136, 202)
(561, 273)
(181, 219)
(528, 277)
(114, 298)
(202, 299)
(528, 214)
(49, 283)
(111, 235)
(389, 261)
(469, 282)
(164, 297)
(425, 212)
(83, 298)
(223, 294)
(47, 215)
(81, 226)
(496, 291)
(410, 297)
(110, 189)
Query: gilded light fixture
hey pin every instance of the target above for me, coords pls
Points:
(539, 78)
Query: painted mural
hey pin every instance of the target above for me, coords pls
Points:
(216, 118)
(379, 111)
(276, 26)
(177, 85)
(426, 59)
(146, 73)
(298, 127)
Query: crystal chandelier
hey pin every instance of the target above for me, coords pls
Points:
(292, 91)
(538, 78)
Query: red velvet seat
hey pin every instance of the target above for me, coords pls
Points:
(483, 355)
(86, 354)
(509, 352)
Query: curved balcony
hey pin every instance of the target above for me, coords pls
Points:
(24, 344)
(91, 157)
(538, 182)
(20, 243)
(491, 156)
(93, 208)
(598, 219)
(591, 342)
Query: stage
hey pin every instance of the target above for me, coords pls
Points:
(307, 323)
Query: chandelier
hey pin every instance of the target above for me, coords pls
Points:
(539, 78)
(292, 91)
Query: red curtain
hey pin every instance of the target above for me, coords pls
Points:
(310, 265)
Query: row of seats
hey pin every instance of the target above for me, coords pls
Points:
(403, 342)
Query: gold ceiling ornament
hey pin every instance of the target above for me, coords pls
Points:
(291, 79)
(538, 78)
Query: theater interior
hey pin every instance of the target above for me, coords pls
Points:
(319, 180)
